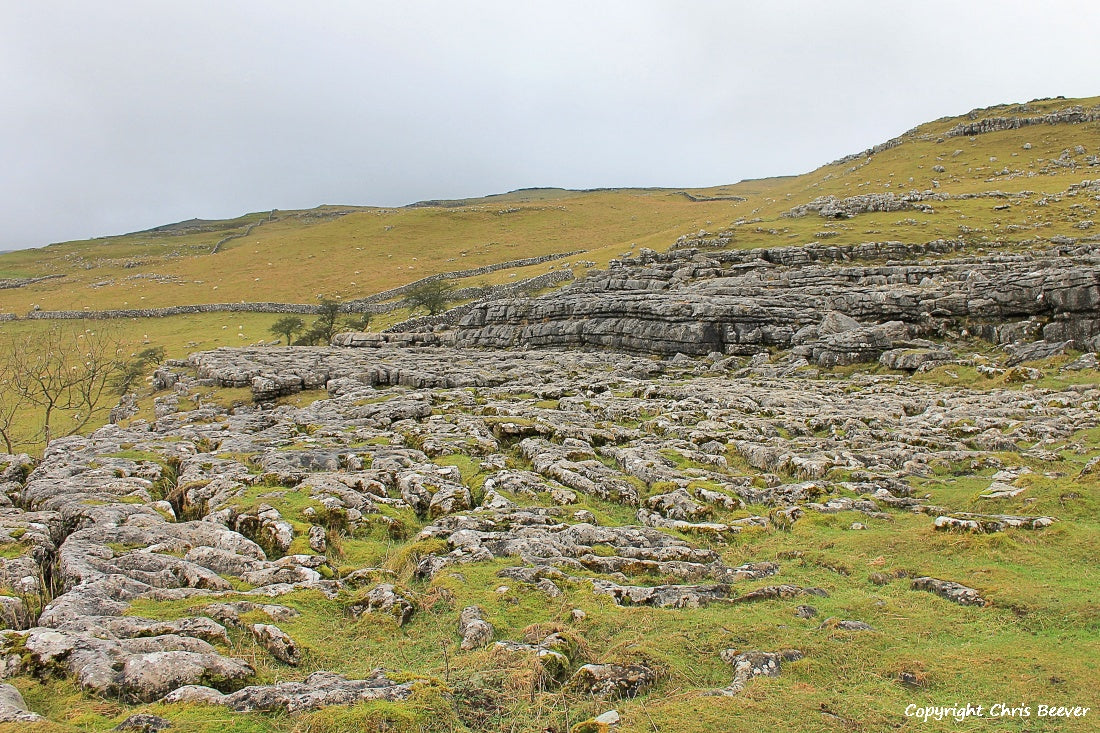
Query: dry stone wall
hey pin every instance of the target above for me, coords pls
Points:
(9, 283)
(176, 310)
(458, 274)
(371, 304)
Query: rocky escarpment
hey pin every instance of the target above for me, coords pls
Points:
(884, 296)
(979, 124)
(831, 207)
(1073, 115)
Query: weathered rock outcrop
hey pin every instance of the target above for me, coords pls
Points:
(747, 665)
(745, 302)
(949, 589)
(831, 207)
(318, 690)
(612, 680)
(589, 467)
(1068, 116)
(473, 628)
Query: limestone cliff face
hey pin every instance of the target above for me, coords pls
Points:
(743, 302)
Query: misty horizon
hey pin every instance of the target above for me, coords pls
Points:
(127, 117)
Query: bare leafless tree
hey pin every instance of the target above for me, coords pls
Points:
(9, 403)
(61, 374)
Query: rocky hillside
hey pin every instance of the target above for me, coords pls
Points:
(459, 533)
(825, 464)
(995, 177)
(832, 305)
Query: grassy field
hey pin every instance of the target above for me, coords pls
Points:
(353, 255)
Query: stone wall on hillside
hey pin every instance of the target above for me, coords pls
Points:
(458, 274)
(176, 310)
(22, 282)
(370, 304)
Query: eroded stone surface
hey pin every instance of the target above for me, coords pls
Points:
(603, 473)
(612, 680)
(473, 628)
(318, 690)
(144, 723)
(385, 599)
(747, 665)
(949, 589)
(969, 522)
(745, 301)
(278, 642)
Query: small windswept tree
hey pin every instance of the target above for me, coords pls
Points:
(324, 328)
(432, 296)
(133, 370)
(359, 322)
(288, 326)
(325, 325)
(328, 323)
(9, 402)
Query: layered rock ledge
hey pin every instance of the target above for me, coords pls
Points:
(891, 295)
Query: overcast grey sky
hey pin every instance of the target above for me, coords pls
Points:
(120, 115)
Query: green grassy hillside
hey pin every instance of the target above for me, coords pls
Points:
(355, 251)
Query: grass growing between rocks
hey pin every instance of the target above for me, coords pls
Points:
(72, 710)
(1036, 642)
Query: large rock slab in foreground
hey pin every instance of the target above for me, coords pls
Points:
(747, 665)
(318, 690)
